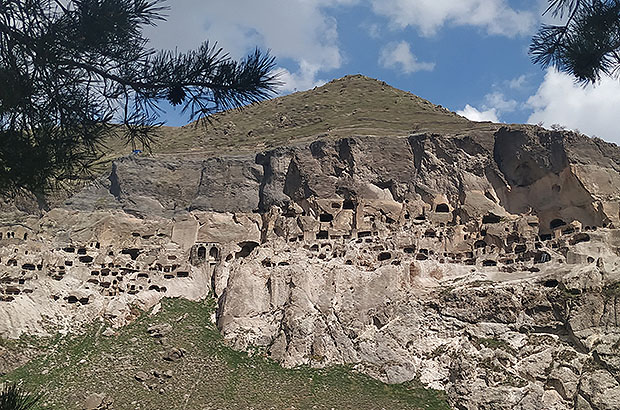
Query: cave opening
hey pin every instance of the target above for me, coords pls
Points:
(556, 223)
(214, 252)
(442, 208)
(348, 204)
(383, 256)
(132, 252)
(246, 249)
(201, 252)
(491, 218)
(325, 217)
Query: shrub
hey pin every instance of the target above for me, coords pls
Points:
(14, 397)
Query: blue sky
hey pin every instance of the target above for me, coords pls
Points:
(468, 55)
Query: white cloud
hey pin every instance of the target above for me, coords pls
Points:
(397, 55)
(518, 82)
(495, 103)
(473, 114)
(304, 79)
(299, 30)
(498, 101)
(594, 110)
(496, 16)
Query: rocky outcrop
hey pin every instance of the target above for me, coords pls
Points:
(494, 333)
(517, 169)
(483, 262)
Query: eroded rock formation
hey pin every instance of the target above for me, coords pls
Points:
(484, 263)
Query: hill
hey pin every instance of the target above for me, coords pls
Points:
(351, 105)
(353, 226)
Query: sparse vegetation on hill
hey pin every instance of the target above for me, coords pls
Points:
(352, 105)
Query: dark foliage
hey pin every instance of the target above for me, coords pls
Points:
(587, 45)
(13, 397)
(70, 69)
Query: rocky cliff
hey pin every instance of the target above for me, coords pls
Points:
(478, 258)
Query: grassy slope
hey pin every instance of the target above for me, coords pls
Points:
(210, 376)
(352, 105)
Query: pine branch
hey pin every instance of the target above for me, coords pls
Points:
(586, 45)
(68, 68)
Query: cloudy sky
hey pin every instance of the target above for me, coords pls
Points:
(467, 55)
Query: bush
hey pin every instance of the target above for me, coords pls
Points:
(13, 397)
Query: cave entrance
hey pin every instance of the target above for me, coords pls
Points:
(246, 249)
(325, 217)
(556, 223)
(491, 218)
(442, 208)
(201, 253)
(214, 252)
(348, 204)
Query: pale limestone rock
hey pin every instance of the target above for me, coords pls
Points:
(486, 265)
(109, 332)
(97, 401)
(185, 233)
(601, 390)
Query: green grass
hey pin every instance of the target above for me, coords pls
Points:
(492, 343)
(352, 105)
(211, 375)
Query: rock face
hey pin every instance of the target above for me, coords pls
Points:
(484, 262)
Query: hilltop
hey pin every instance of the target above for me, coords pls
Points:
(351, 105)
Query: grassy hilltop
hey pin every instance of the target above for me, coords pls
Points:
(352, 105)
